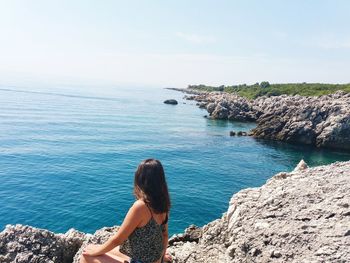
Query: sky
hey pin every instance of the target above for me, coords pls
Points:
(174, 43)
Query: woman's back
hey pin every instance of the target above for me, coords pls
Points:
(146, 241)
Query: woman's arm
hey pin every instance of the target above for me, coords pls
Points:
(165, 233)
(131, 221)
(165, 238)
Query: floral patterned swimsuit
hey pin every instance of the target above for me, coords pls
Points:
(145, 244)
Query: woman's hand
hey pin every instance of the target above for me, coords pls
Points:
(92, 250)
(167, 257)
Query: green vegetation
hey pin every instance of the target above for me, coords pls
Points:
(265, 88)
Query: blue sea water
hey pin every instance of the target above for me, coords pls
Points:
(68, 156)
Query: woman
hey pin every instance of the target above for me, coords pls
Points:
(143, 236)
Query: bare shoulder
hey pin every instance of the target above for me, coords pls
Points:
(139, 206)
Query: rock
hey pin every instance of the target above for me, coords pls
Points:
(225, 106)
(319, 121)
(301, 166)
(302, 216)
(171, 101)
(19, 243)
(220, 113)
(192, 234)
(276, 254)
(202, 105)
(232, 133)
(99, 237)
(282, 221)
(211, 107)
(241, 133)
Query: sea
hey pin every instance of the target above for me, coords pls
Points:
(68, 156)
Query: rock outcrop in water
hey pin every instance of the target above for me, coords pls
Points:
(320, 121)
(302, 216)
(226, 106)
(171, 101)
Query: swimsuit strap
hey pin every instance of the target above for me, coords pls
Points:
(166, 216)
(165, 220)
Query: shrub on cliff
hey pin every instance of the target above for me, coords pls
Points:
(267, 89)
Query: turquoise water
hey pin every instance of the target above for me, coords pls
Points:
(68, 155)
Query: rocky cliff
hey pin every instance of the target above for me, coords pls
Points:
(320, 121)
(23, 244)
(302, 216)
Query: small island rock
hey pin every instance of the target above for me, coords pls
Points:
(232, 133)
(171, 101)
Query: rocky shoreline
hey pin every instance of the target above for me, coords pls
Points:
(318, 121)
(302, 216)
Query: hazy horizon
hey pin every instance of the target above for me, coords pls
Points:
(153, 43)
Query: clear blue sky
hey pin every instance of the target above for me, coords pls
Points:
(175, 43)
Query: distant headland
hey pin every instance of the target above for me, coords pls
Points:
(305, 113)
(264, 88)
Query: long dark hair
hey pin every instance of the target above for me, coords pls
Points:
(151, 187)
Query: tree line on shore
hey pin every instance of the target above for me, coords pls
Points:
(266, 89)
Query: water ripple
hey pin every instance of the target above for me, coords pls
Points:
(68, 159)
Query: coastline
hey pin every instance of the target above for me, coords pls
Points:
(323, 121)
(220, 240)
(175, 131)
(302, 215)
